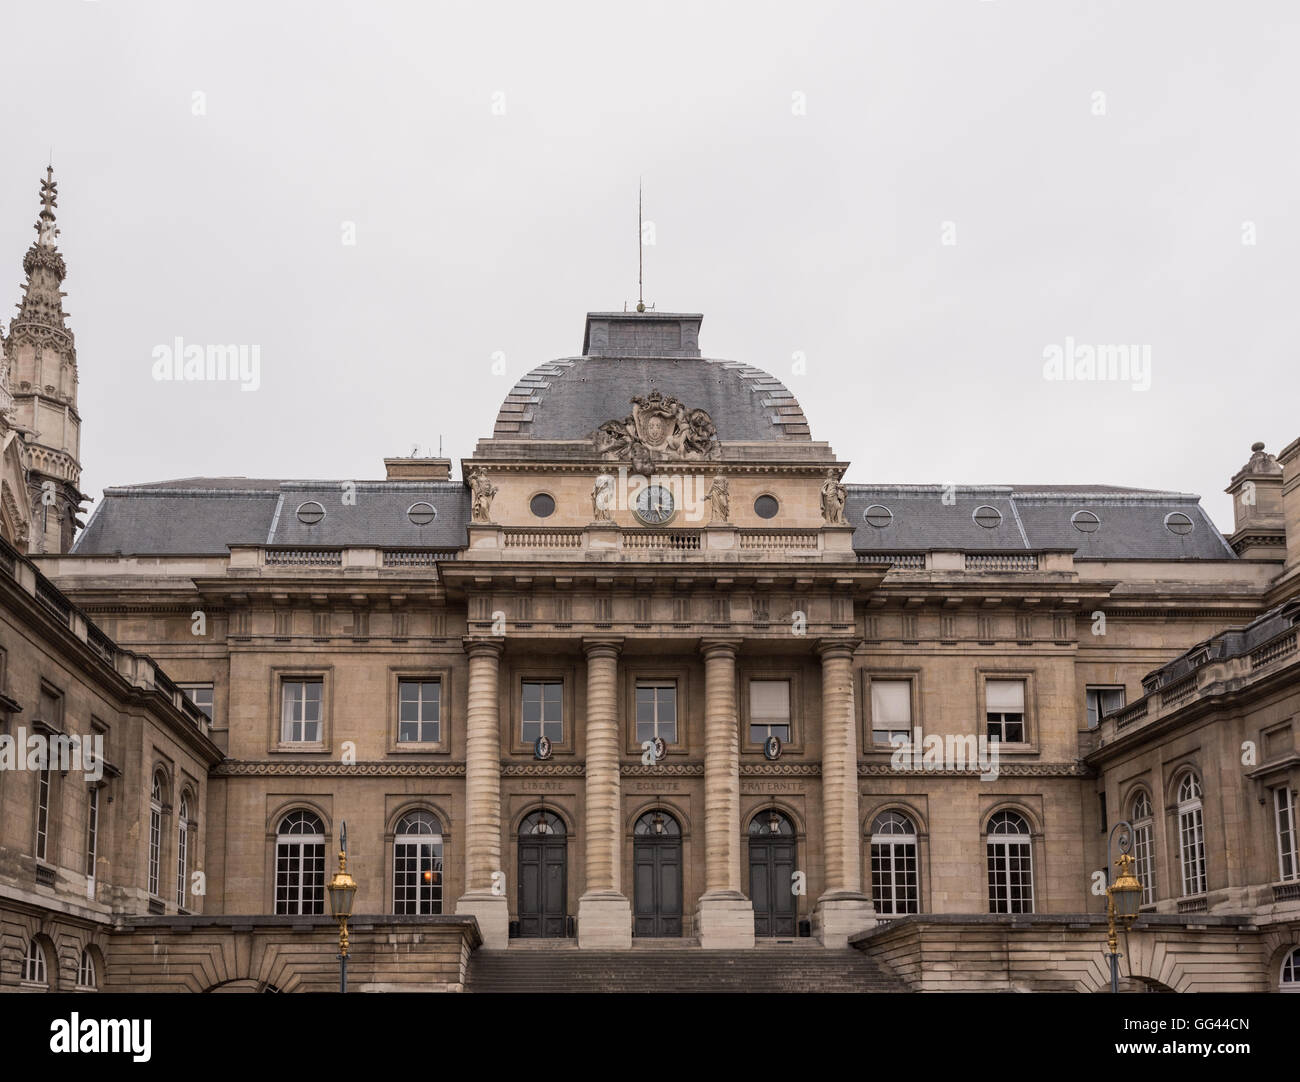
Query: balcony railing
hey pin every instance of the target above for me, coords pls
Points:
(780, 542)
(543, 539)
(1280, 647)
(305, 557)
(673, 540)
(418, 557)
(999, 561)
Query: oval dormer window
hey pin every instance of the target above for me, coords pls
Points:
(310, 513)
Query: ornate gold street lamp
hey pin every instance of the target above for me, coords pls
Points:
(1123, 897)
(342, 890)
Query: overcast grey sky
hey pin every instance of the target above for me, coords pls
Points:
(804, 166)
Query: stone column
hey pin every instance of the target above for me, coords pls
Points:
(604, 912)
(484, 896)
(724, 917)
(843, 907)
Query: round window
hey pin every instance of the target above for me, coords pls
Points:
(878, 515)
(421, 513)
(1177, 522)
(988, 517)
(766, 507)
(1085, 521)
(310, 513)
(542, 505)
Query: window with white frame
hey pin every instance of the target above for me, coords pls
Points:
(1289, 978)
(43, 783)
(542, 704)
(417, 864)
(1004, 710)
(201, 695)
(1010, 864)
(182, 849)
(301, 711)
(894, 887)
(769, 710)
(300, 864)
(155, 832)
(1144, 864)
(656, 710)
(419, 711)
(34, 962)
(1191, 834)
(891, 711)
(86, 970)
(92, 830)
(1288, 864)
(1102, 701)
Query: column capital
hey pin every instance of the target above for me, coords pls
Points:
(836, 648)
(720, 644)
(476, 647)
(606, 646)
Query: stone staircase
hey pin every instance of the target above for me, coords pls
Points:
(794, 969)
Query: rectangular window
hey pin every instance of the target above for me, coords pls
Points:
(769, 710)
(92, 831)
(1145, 866)
(200, 695)
(1004, 707)
(301, 707)
(543, 710)
(656, 711)
(1191, 835)
(50, 709)
(1102, 701)
(43, 814)
(891, 710)
(1288, 865)
(419, 711)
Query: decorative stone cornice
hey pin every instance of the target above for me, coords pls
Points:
(542, 770)
(1076, 769)
(266, 768)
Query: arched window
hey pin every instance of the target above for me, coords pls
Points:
(542, 822)
(417, 864)
(771, 823)
(86, 970)
(300, 864)
(1290, 976)
(1010, 864)
(1144, 865)
(657, 824)
(1191, 834)
(155, 831)
(182, 850)
(34, 963)
(893, 865)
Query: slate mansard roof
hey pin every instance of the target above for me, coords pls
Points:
(204, 515)
(1131, 522)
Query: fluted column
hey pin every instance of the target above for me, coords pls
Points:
(484, 896)
(725, 917)
(604, 914)
(843, 907)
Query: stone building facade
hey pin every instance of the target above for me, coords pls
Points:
(652, 672)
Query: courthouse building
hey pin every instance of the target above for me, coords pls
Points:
(651, 672)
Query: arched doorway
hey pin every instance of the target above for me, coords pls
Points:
(657, 875)
(771, 873)
(543, 876)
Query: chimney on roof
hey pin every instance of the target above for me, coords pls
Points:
(417, 469)
(1259, 531)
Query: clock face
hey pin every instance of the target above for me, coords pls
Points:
(654, 505)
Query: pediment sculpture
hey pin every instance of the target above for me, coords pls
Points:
(659, 429)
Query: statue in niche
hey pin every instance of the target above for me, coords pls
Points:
(602, 498)
(720, 497)
(482, 491)
(834, 496)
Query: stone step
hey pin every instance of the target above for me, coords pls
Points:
(675, 970)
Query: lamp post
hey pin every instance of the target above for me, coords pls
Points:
(342, 890)
(1123, 897)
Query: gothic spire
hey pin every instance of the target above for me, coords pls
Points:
(42, 301)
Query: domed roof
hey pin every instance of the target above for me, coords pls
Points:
(630, 354)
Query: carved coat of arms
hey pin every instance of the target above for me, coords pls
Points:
(660, 428)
